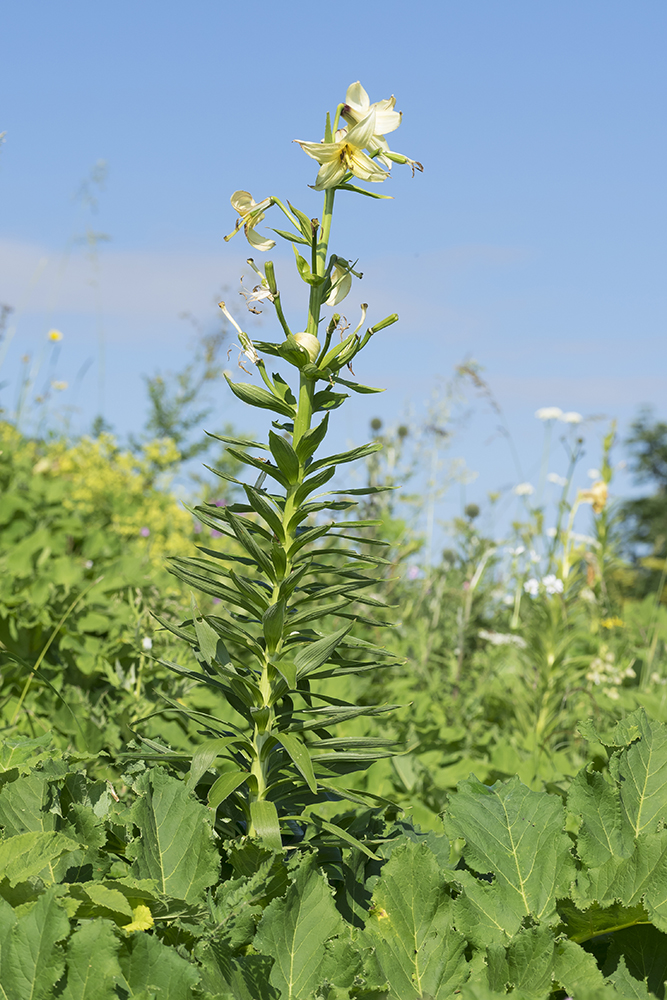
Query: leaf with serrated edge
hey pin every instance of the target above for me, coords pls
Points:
(32, 960)
(294, 930)
(176, 845)
(411, 930)
(93, 969)
(151, 968)
(30, 854)
(641, 770)
(516, 836)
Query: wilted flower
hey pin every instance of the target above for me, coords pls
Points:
(532, 586)
(549, 413)
(247, 346)
(524, 489)
(251, 213)
(346, 153)
(258, 294)
(552, 584)
(596, 495)
(571, 417)
(55, 336)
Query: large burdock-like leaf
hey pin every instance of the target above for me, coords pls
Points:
(294, 930)
(29, 854)
(176, 844)
(410, 927)
(92, 962)
(515, 839)
(641, 771)
(32, 961)
(150, 968)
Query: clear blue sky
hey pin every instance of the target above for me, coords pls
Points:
(533, 242)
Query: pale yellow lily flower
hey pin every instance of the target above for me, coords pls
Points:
(251, 214)
(596, 495)
(358, 105)
(346, 153)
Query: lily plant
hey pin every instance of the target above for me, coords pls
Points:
(293, 579)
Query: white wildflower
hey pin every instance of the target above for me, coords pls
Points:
(146, 643)
(594, 474)
(549, 413)
(552, 584)
(571, 417)
(532, 586)
(524, 489)
(553, 477)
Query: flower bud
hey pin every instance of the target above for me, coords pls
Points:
(310, 343)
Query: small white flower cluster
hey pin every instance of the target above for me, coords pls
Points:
(605, 672)
(550, 582)
(502, 638)
(555, 413)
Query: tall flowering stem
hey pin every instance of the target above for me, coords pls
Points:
(291, 580)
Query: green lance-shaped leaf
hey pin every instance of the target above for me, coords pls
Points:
(273, 620)
(516, 836)
(411, 930)
(286, 458)
(265, 509)
(294, 930)
(300, 757)
(312, 656)
(311, 484)
(32, 959)
(206, 754)
(210, 644)
(264, 816)
(346, 456)
(93, 969)
(255, 396)
(223, 787)
(312, 439)
(641, 771)
(176, 845)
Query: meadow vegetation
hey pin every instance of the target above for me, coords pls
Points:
(277, 741)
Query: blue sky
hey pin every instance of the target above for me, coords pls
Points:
(533, 242)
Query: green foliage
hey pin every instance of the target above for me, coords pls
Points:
(524, 892)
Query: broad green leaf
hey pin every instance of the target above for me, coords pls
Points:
(514, 837)
(228, 976)
(108, 898)
(641, 770)
(526, 964)
(151, 968)
(223, 787)
(29, 854)
(410, 927)
(264, 816)
(575, 969)
(176, 845)
(300, 756)
(638, 954)
(92, 962)
(255, 396)
(603, 834)
(32, 958)
(294, 930)
(24, 754)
